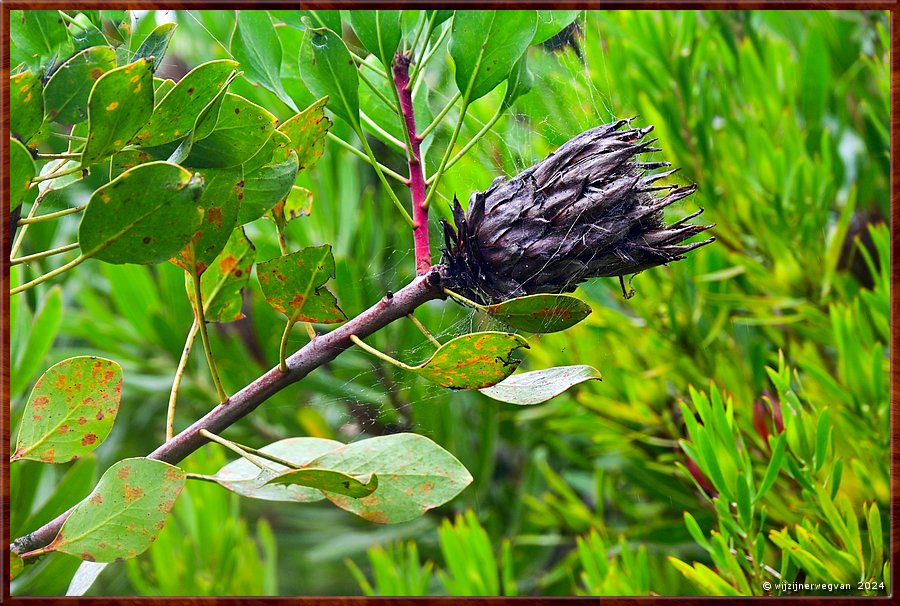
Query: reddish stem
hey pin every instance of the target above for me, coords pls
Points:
(414, 158)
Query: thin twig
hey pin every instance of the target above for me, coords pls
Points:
(176, 382)
(54, 215)
(204, 336)
(44, 254)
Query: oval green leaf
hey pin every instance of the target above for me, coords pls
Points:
(38, 33)
(123, 514)
(221, 283)
(71, 410)
(551, 22)
(155, 45)
(264, 187)
(21, 172)
(294, 285)
(256, 45)
(26, 105)
(244, 478)
(67, 92)
(541, 313)
(178, 111)
(538, 386)
(120, 103)
(485, 45)
(145, 215)
(379, 31)
(328, 70)
(473, 361)
(307, 131)
(329, 480)
(242, 130)
(414, 475)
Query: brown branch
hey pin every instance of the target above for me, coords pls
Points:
(320, 351)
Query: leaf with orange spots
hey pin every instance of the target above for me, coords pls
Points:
(294, 285)
(120, 103)
(244, 478)
(243, 128)
(178, 111)
(71, 410)
(539, 386)
(67, 91)
(541, 313)
(472, 361)
(414, 475)
(329, 480)
(26, 105)
(307, 131)
(267, 185)
(223, 280)
(21, 172)
(297, 204)
(221, 199)
(123, 514)
(145, 215)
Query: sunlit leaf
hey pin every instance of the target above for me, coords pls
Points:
(297, 204)
(329, 480)
(67, 91)
(145, 215)
(155, 44)
(26, 105)
(16, 565)
(39, 33)
(120, 103)
(265, 186)
(123, 514)
(294, 285)
(541, 313)
(551, 22)
(70, 411)
(414, 475)
(329, 71)
(307, 131)
(243, 128)
(539, 386)
(21, 172)
(472, 361)
(256, 46)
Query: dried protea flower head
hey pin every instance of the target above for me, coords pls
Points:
(590, 209)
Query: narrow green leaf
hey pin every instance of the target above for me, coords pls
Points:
(485, 45)
(744, 501)
(16, 565)
(26, 105)
(775, 463)
(244, 478)
(329, 480)
(414, 475)
(120, 103)
(294, 285)
(379, 31)
(242, 130)
(328, 70)
(520, 81)
(307, 131)
(42, 331)
(876, 541)
(538, 386)
(541, 313)
(124, 513)
(823, 438)
(551, 22)
(145, 215)
(255, 44)
(704, 578)
(177, 112)
(695, 531)
(70, 410)
(223, 280)
(473, 361)
(155, 44)
(21, 172)
(67, 91)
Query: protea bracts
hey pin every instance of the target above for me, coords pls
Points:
(590, 209)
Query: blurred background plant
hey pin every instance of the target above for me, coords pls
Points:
(740, 434)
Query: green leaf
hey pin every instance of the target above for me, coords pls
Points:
(329, 480)
(775, 463)
(823, 438)
(21, 172)
(124, 513)
(551, 22)
(255, 44)
(244, 478)
(440, 16)
(223, 280)
(26, 105)
(16, 565)
(242, 130)
(265, 186)
(704, 578)
(176, 114)
(307, 131)
(472, 361)
(145, 215)
(120, 103)
(38, 33)
(42, 331)
(155, 44)
(414, 475)
(317, 18)
(221, 200)
(328, 70)
(519, 83)
(541, 313)
(744, 501)
(297, 204)
(294, 285)
(70, 410)
(538, 386)
(67, 92)
(485, 45)
(379, 31)
(695, 531)
(85, 34)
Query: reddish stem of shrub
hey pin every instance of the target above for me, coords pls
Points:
(417, 185)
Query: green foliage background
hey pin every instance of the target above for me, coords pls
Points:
(781, 117)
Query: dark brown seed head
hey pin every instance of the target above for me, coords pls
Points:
(590, 209)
